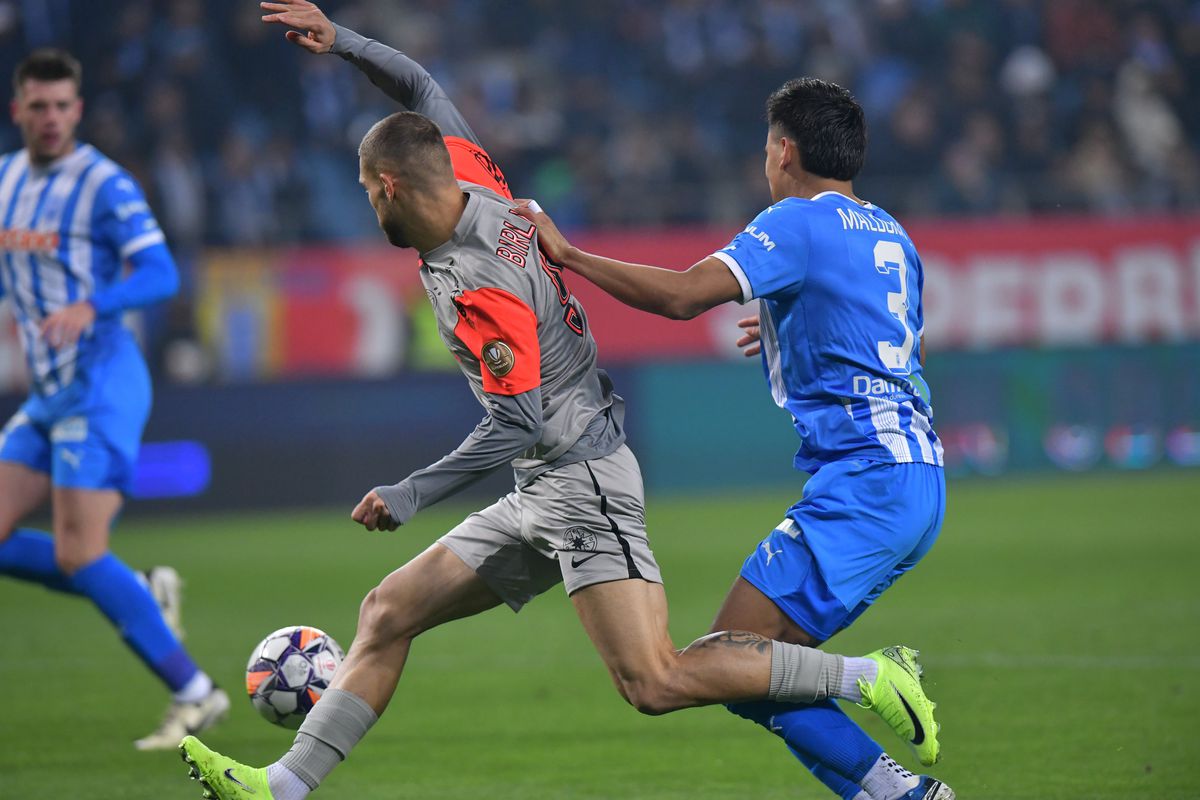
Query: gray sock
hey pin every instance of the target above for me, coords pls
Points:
(802, 674)
(328, 734)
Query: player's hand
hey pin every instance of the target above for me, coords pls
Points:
(749, 342)
(319, 32)
(372, 513)
(550, 238)
(64, 327)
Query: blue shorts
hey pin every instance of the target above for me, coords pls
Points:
(859, 526)
(87, 435)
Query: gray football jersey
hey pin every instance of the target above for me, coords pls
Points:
(506, 315)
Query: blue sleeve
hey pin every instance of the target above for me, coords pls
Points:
(124, 220)
(770, 257)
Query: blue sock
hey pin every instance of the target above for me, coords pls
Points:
(819, 734)
(842, 787)
(29, 555)
(128, 604)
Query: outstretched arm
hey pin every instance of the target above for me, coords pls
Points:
(512, 426)
(400, 78)
(666, 292)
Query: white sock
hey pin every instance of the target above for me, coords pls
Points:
(856, 668)
(195, 690)
(285, 784)
(862, 796)
(887, 780)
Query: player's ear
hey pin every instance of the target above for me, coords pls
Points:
(389, 185)
(787, 152)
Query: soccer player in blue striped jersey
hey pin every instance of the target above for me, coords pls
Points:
(71, 220)
(839, 328)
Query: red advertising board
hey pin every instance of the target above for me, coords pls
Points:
(988, 284)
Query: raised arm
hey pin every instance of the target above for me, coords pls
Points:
(400, 78)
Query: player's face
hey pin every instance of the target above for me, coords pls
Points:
(47, 113)
(385, 210)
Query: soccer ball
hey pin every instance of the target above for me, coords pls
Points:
(289, 671)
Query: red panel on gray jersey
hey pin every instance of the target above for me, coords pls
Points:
(473, 165)
(500, 331)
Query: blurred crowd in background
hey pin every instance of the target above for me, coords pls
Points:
(629, 113)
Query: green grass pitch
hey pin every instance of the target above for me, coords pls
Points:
(1057, 618)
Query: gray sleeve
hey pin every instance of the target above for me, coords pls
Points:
(512, 426)
(403, 80)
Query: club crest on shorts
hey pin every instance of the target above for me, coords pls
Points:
(579, 539)
(498, 357)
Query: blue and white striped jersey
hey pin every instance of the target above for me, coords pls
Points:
(839, 290)
(66, 229)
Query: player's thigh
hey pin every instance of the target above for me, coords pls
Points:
(746, 608)
(82, 521)
(627, 623)
(430, 590)
(491, 544)
(24, 470)
(22, 491)
(784, 570)
(591, 517)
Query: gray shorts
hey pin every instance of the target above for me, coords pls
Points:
(582, 524)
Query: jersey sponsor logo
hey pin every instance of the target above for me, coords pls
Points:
(24, 241)
(498, 357)
(754, 233)
(514, 243)
(71, 429)
(866, 386)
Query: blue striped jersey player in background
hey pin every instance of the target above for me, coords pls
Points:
(70, 221)
(839, 328)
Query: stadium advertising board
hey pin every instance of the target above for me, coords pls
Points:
(361, 311)
(989, 284)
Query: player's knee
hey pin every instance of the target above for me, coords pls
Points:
(382, 621)
(70, 560)
(651, 692)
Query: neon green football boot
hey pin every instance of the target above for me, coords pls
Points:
(896, 695)
(222, 777)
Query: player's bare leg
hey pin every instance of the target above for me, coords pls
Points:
(22, 491)
(627, 622)
(434, 588)
(82, 521)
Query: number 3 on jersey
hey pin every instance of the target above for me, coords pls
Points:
(889, 257)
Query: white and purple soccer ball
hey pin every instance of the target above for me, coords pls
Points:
(288, 672)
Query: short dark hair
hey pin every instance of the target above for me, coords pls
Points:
(408, 143)
(826, 124)
(48, 64)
